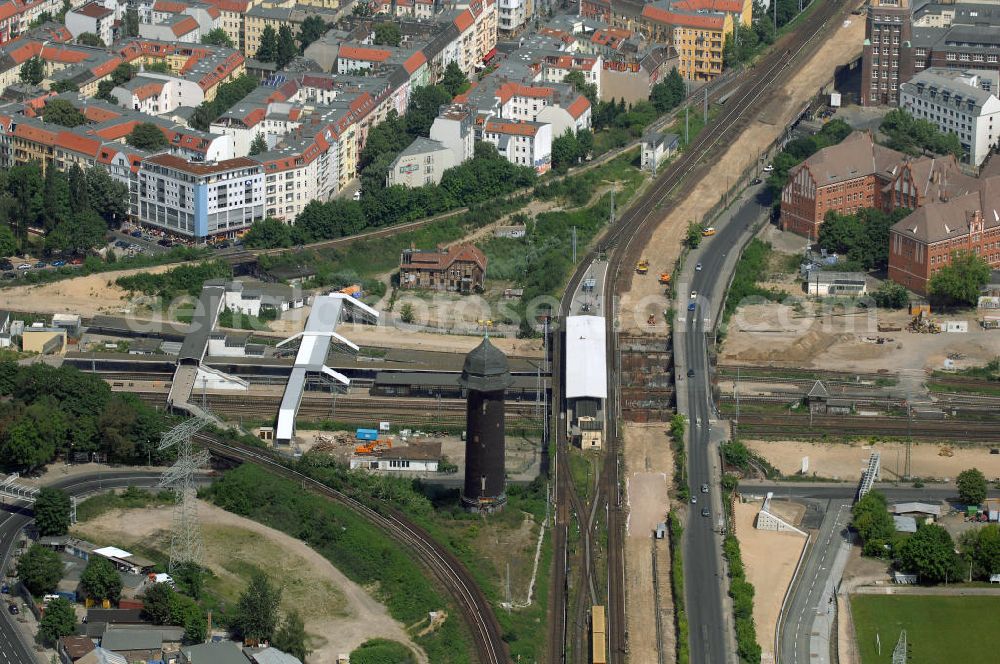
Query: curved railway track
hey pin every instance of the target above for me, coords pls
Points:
(475, 608)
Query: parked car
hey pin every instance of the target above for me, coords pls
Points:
(756, 181)
(704, 488)
(6, 265)
(76, 261)
(9, 274)
(694, 500)
(697, 267)
(690, 373)
(41, 264)
(705, 512)
(694, 295)
(136, 233)
(59, 263)
(5, 589)
(121, 244)
(24, 266)
(769, 168)
(692, 306)
(12, 609)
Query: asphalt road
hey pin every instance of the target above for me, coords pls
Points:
(14, 518)
(709, 626)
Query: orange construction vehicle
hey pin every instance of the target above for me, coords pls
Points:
(664, 278)
(374, 446)
(642, 267)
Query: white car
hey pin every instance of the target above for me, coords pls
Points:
(768, 168)
(694, 295)
(697, 267)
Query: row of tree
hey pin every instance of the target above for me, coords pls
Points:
(74, 208)
(862, 237)
(45, 410)
(912, 136)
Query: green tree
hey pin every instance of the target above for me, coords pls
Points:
(579, 82)
(406, 313)
(78, 233)
(425, 104)
(256, 615)
(52, 508)
(870, 517)
(929, 553)
(62, 112)
(916, 136)
(287, 50)
(387, 34)
(90, 39)
(258, 144)
(566, 151)
(217, 37)
(131, 22)
(105, 195)
(56, 198)
(291, 636)
(268, 50)
(693, 237)
(454, 79)
(981, 548)
(268, 233)
(64, 86)
(25, 185)
(863, 237)
(39, 569)
(312, 28)
(891, 295)
(147, 136)
(971, 486)
(32, 71)
(100, 579)
(156, 602)
(30, 442)
(666, 95)
(59, 621)
(8, 243)
(960, 281)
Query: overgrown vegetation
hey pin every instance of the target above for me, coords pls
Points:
(45, 410)
(677, 587)
(916, 137)
(382, 651)
(228, 95)
(742, 592)
(181, 280)
(678, 425)
(862, 237)
(750, 268)
(131, 498)
(958, 283)
(737, 455)
(357, 548)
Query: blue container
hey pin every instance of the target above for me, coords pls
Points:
(366, 434)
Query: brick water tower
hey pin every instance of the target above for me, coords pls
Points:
(486, 377)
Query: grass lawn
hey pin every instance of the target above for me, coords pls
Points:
(938, 629)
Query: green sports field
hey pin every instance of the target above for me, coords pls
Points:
(939, 630)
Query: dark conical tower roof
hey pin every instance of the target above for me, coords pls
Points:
(486, 369)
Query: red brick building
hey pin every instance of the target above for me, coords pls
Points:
(461, 268)
(842, 178)
(924, 242)
(858, 173)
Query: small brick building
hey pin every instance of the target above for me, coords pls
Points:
(460, 269)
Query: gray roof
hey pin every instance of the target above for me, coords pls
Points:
(941, 80)
(818, 390)
(131, 639)
(421, 145)
(921, 508)
(214, 653)
(271, 656)
(486, 368)
(206, 314)
(905, 524)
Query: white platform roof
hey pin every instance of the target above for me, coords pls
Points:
(586, 358)
(326, 314)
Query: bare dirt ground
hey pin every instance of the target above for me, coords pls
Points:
(842, 44)
(648, 469)
(390, 337)
(770, 559)
(845, 460)
(339, 615)
(780, 335)
(86, 296)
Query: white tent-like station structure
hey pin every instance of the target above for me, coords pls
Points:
(327, 313)
(586, 352)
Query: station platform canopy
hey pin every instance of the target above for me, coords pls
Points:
(586, 358)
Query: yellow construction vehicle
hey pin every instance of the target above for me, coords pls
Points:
(642, 267)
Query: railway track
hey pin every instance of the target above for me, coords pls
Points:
(817, 426)
(623, 242)
(475, 608)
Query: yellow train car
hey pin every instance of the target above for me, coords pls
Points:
(598, 638)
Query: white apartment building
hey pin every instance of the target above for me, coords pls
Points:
(422, 162)
(512, 15)
(964, 103)
(200, 199)
(556, 67)
(156, 94)
(94, 18)
(521, 143)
